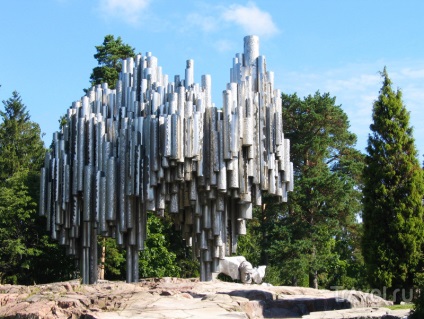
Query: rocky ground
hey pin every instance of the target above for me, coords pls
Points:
(186, 298)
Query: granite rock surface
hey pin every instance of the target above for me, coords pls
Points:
(185, 298)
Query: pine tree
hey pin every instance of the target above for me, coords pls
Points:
(326, 197)
(392, 196)
(108, 57)
(300, 240)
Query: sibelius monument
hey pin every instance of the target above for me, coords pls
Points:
(153, 144)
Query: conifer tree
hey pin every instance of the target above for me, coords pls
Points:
(108, 57)
(392, 196)
(325, 199)
(21, 146)
(27, 254)
(303, 241)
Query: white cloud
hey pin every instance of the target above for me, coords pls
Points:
(251, 19)
(221, 21)
(412, 73)
(204, 22)
(128, 10)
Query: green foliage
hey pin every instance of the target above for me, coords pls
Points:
(418, 308)
(20, 144)
(348, 271)
(52, 263)
(189, 267)
(185, 260)
(249, 244)
(308, 241)
(156, 260)
(165, 253)
(114, 259)
(27, 255)
(16, 209)
(392, 195)
(108, 57)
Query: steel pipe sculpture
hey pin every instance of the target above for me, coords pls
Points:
(153, 145)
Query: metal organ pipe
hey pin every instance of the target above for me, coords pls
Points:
(154, 145)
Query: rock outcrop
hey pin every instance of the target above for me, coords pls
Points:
(183, 298)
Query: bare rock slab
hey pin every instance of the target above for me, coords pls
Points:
(359, 313)
(185, 298)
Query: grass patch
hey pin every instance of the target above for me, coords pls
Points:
(397, 307)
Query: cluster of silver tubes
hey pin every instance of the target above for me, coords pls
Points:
(157, 145)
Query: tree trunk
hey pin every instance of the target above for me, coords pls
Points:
(264, 255)
(313, 275)
(315, 279)
(102, 260)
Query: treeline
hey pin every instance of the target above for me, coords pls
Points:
(27, 255)
(353, 221)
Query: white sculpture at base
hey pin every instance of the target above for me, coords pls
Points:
(238, 268)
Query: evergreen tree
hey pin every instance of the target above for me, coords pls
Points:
(108, 57)
(392, 195)
(21, 146)
(302, 240)
(27, 254)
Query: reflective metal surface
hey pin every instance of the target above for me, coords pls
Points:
(155, 145)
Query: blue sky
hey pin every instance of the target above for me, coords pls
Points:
(47, 48)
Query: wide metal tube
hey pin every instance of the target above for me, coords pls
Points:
(251, 49)
(102, 204)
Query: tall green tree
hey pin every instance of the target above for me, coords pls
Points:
(301, 241)
(392, 195)
(27, 254)
(17, 210)
(108, 57)
(21, 146)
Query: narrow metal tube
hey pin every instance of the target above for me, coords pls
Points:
(80, 154)
(110, 190)
(88, 193)
(42, 203)
(93, 258)
(129, 261)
